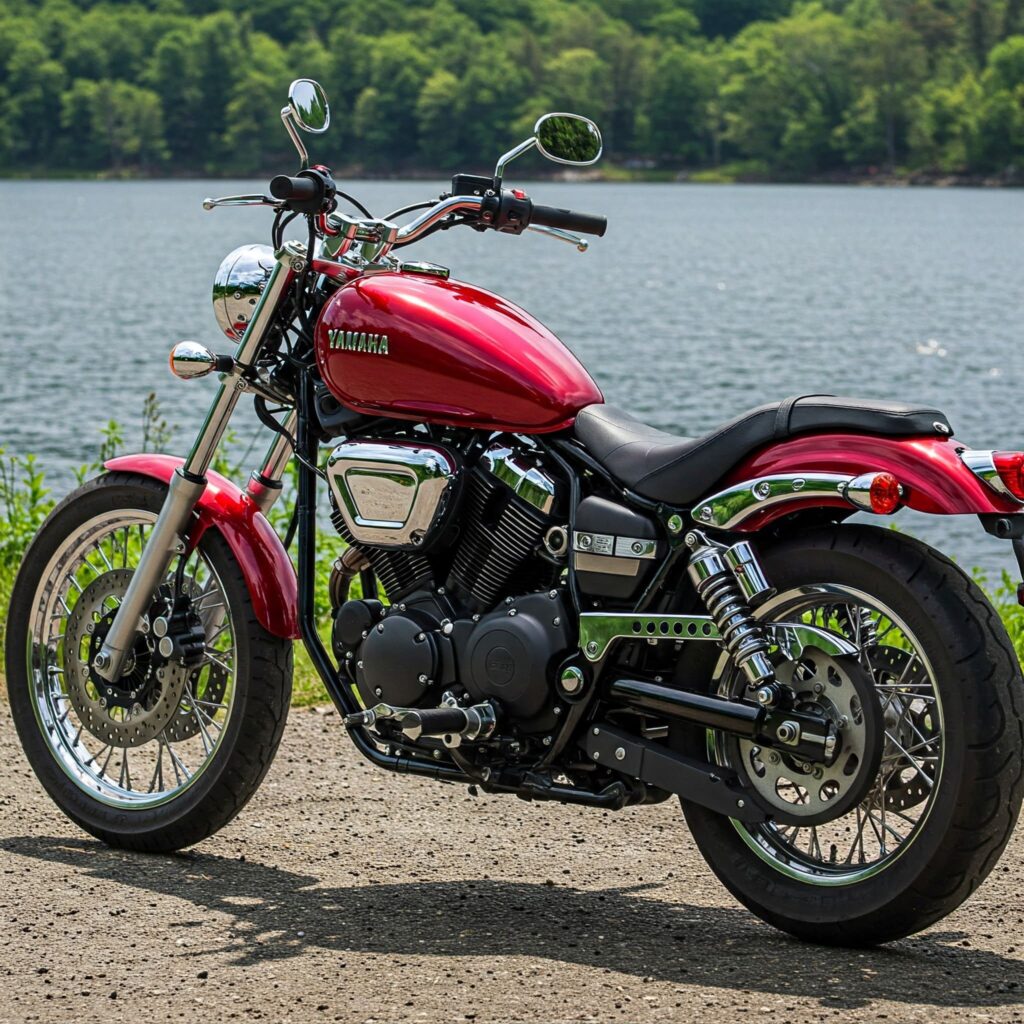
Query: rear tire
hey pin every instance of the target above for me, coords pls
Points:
(245, 746)
(978, 792)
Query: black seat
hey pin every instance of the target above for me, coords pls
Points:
(680, 470)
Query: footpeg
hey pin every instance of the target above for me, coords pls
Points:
(451, 724)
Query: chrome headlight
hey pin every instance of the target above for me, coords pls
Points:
(240, 280)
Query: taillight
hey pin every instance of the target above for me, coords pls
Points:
(1010, 467)
(885, 494)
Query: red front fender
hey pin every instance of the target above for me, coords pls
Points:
(930, 469)
(265, 564)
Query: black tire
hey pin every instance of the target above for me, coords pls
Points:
(262, 690)
(976, 804)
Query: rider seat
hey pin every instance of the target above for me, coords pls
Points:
(680, 470)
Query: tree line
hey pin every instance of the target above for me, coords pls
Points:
(771, 88)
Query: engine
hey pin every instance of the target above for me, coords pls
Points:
(469, 553)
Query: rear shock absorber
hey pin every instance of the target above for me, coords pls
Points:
(729, 581)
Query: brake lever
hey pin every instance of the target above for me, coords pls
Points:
(250, 200)
(582, 245)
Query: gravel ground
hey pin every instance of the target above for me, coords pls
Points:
(343, 893)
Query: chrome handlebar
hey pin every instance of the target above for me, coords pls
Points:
(440, 210)
(382, 235)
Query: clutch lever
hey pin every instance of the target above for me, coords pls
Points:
(565, 236)
(251, 200)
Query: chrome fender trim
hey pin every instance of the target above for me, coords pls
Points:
(729, 508)
(598, 631)
(983, 466)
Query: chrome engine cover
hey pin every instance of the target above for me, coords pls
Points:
(393, 494)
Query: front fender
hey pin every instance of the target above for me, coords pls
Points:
(933, 476)
(266, 567)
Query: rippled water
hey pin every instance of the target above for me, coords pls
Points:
(700, 301)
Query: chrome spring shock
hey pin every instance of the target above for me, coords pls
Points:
(727, 580)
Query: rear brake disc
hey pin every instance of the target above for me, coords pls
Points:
(799, 792)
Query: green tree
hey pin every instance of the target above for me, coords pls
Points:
(682, 89)
(438, 120)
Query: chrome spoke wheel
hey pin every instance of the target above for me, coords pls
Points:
(144, 739)
(892, 804)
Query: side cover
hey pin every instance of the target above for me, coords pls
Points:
(265, 564)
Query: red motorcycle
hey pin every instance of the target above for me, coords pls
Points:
(556, 601)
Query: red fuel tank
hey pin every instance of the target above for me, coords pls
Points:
(423, 348)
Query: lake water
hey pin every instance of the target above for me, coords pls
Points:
(701, 301)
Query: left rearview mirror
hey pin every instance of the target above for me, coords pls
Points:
(307, 103)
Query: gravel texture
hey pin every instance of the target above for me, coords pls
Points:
(343, 893)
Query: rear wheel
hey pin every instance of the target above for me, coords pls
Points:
(172, 751)
(858, 861)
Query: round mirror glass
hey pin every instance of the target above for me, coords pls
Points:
(309, 106)
(568, 139)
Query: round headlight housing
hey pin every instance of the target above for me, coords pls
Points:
(240, 280)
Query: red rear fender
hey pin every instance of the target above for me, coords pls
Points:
(930, 470)
(265, 564)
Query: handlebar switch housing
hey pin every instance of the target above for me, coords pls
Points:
(510, 211)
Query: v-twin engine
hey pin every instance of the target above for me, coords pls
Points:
(458, 544)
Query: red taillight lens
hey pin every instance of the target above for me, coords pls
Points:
(885, 494)
(1010, 467)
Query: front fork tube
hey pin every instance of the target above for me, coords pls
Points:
(189, 481)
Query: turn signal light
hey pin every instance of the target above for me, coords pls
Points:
(885, 494)
(880, 493)
(1010, 467)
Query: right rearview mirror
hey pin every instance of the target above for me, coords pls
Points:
(568, 139)
(564, 138)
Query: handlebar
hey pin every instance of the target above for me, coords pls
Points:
(569, 220)
(290, 189)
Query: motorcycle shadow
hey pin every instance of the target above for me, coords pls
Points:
(625, 930)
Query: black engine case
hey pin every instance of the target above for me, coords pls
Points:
(510, 654)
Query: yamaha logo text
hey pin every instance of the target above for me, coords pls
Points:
(355, 341)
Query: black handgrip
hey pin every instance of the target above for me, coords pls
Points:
(295, 189)
(569, 220)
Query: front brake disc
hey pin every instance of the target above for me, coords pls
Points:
(133, 710)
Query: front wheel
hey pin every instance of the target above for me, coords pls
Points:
(172, 751)
(922, 833)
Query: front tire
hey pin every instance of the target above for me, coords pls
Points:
(959, 818)
(186, 752)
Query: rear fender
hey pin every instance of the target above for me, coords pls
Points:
(266, 567)
(930, 470)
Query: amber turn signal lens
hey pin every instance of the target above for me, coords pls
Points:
(885, 493)
(1009, 466)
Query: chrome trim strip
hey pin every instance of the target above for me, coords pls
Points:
(732, 506)
(982, 465)
(613, 545)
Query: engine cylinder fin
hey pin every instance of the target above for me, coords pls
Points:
(502, 532)
(398, 572)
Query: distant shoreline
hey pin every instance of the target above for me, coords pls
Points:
(607, 175)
